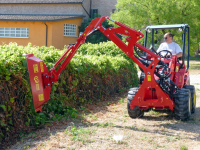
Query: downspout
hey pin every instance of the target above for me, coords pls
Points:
(85, 9)
(46, 32)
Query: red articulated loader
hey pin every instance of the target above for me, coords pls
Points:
(165, 82)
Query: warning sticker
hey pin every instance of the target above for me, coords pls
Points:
(41, 66)
(180, 79)
(37, 87)
(41, 97)
(177, 68)
(148, 77)
(35, 67)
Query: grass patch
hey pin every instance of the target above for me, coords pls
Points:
(125, 115)
(144, 129)
(26, 146)
(92, 116)
(197, 83)
(40, 146)
(123, 142)
(107, 124)
(79, 133)
(173, 138)
(153, 113)
(183, 147)
(194, 66)
(150, 140)
(144, 138)
(121, 101)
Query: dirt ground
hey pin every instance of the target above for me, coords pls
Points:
(107, 126)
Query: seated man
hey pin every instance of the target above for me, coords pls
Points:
(171, 46)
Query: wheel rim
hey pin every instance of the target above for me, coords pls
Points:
(189, 104)
(194, 99)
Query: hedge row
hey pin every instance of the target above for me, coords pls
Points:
(92, 75)
(103, 48)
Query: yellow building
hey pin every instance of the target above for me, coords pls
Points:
(41, 33)
(43, 22)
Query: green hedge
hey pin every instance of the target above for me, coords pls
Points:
(103, 48)
(92, 75)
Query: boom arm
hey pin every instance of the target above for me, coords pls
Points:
(132, 37)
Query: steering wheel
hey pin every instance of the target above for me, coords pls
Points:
(167, 55)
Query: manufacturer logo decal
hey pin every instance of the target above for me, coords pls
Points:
(36, 79)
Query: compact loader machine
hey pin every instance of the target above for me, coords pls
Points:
(164, 81)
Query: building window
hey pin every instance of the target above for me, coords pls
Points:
(94, 13)
(14, 32)
(70, 30)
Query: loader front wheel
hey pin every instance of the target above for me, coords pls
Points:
(183, 105)
(135, 112)
(193, 96)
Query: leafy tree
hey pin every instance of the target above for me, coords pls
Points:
(96, 37)
(139, 14)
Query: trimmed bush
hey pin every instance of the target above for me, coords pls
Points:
(92, 75)
(103, 48)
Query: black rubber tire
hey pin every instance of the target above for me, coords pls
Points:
(193, 96)
(142, 76)
(183, 105)
(135, 112)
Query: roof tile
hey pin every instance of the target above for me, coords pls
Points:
(38, 17)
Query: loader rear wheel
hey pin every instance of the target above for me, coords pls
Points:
(193, 96)
(183, 105)
(135, 112)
